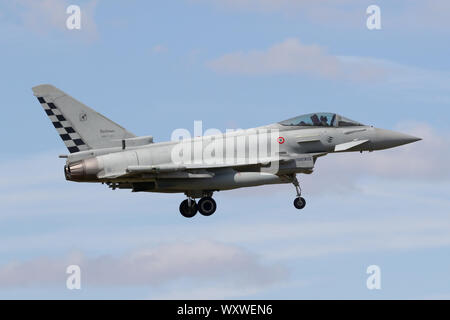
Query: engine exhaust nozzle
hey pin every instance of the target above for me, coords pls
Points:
(84, 170)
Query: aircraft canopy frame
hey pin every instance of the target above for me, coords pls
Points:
(320, 119)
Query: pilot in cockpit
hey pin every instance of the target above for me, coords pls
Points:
(324, 121)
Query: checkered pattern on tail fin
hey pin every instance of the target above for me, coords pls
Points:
(71, 138)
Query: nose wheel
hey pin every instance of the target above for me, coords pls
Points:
(299, 202)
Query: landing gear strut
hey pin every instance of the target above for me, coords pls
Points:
(299, 202)
(206, 205)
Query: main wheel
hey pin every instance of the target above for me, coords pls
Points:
(207, 206)
(299, 203)
(188, 211)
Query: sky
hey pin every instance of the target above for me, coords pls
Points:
(155, 66)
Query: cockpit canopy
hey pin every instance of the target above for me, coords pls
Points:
(320, 119)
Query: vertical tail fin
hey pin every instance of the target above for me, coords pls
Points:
(80, 127)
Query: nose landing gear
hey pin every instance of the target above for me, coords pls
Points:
(299, 202)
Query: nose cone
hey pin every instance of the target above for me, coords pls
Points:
(385, 139)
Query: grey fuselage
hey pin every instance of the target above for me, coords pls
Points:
(151, 167)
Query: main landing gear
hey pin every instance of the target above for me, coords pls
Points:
(206, 206)
(188, 208)
(299, 202)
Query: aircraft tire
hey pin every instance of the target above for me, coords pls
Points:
(299, 203)
(207, 206)
(186, 211)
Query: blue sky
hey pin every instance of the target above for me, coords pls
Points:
(157, 66)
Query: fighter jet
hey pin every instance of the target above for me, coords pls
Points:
(102, 151)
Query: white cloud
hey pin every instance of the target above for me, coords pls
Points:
(311, 240)
(290, 56)
(217, 292)
(404, 16)
(293, 57)
(36, 168)
(423, 160)
(220, 291)
(159, 48)
(42, 15)
(200, 261)
(425, 15)
(221, 256)
(339, 13)
(49, 16)
(278, 5)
